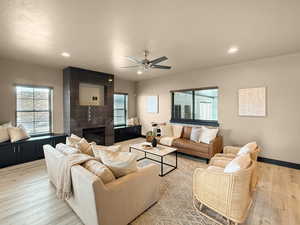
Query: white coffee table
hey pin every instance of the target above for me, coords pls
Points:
(160, 151)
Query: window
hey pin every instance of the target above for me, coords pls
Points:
(195, 106)
(34, 109)
(120, 109)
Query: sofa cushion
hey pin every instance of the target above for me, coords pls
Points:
(17, 133)
(120, 163)
(98, 148)
(4, 136)
(186, 133)
(166, 140)
(177, 131)
(195, 134)
(66, 149)
(166, 130)
(238, 163)
(99, 170)
(248, 148)
(208, 134)
(85, 147)
(188, 144)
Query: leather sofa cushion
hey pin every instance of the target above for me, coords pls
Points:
(186, 133)
(188, 144)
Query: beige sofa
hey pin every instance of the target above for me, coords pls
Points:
(116, 203)
(229, 194)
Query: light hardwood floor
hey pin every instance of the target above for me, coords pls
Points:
(27, 197)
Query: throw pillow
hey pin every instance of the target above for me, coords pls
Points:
(73, 140)
(177, 130)
(17, 133)
(166, 131)
(7, 125)
(120, 163)
(208, 134)
(238, 163)
(195, 134)
(65, 149)
(248, 148)
(85, 147)
(4, 136)
(97, 148)
(99, 170)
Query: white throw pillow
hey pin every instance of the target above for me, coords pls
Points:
(65, 149)
(248, 148)
(4, 135)
(195, 134)
(85, 147)
(97, 148)
(99, 170)
(166, 130)
(208, 134)
(120, 163)
(17, 133)
(238, 163)
(7, 125)
(177, 130)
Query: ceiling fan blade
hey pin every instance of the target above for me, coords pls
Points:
(132, 59)
(161, 67)
(158, 60)
(130, 66)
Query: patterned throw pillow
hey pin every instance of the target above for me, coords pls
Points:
(99, 170)
(85, 147)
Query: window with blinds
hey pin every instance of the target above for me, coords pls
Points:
(34, 109)
(120, 109)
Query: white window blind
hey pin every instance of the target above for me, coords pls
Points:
(34, 109)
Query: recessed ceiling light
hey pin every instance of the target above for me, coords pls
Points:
(232, 50)
(139, 72)
(65, 54)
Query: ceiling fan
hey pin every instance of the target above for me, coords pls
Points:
(147, 64)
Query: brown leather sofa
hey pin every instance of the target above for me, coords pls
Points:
(207, 151)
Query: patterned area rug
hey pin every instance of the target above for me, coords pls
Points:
(175, 206)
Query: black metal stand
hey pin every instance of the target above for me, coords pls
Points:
(161, 161)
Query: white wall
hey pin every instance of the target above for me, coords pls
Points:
(277, 134)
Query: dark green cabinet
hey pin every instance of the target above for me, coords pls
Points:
(27, 150)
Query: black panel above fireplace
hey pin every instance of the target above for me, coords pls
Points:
(79, 117)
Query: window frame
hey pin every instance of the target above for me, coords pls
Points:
(50, 99)
(125, 110)
(193, 121)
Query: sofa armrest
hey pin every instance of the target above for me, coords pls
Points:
(216, 146)
(128, 196)
(231, 150)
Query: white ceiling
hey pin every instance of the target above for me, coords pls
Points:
(192, 34)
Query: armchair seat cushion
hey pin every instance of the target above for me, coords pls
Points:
(188, 144)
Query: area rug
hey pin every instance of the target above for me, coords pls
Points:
(175, 206)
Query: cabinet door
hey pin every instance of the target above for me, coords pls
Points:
(39, 147)
(26, 152)
(8, 156)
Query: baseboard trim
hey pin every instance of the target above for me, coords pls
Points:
(279, 163)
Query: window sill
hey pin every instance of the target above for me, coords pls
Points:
(196, 122)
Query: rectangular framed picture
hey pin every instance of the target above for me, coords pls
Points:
(152, 104)
(252, 102)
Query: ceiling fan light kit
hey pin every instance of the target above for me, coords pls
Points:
(147, 64)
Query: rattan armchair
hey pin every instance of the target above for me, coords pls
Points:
(231, 152)
(229, 194)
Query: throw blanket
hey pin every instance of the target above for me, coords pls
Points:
(64, 179)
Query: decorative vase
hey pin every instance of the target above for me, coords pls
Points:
(154, 142)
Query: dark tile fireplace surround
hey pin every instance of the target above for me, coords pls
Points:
(95, 123)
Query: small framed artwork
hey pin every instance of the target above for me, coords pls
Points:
(252, 102)
(152, 104)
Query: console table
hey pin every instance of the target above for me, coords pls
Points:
(123, 133)
(27, 150)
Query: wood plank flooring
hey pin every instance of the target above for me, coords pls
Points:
(27, 197)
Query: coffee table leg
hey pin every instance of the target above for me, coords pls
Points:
(161, 166)
(129, 149)
(176, 159)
